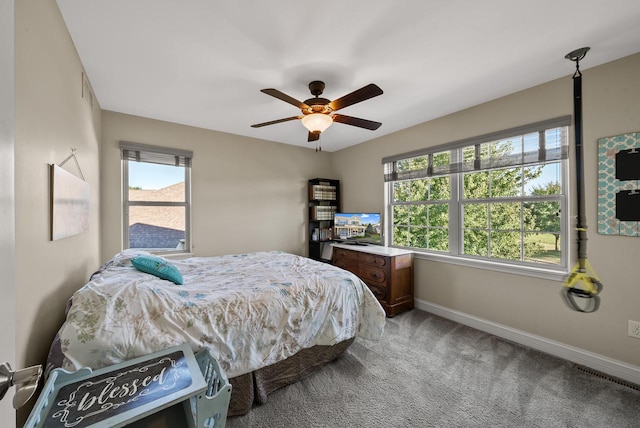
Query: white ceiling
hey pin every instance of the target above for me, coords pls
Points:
(203, 62)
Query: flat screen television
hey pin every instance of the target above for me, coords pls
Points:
(357, 228)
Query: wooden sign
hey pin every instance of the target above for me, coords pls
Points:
(122, 393)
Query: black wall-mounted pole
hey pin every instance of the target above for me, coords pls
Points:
(590, 285)
(581, 222)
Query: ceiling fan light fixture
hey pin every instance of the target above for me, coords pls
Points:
(317, 122)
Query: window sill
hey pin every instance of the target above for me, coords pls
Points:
(173, 255)
(536, 272)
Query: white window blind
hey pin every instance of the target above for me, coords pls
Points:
(155, 154)
(536, 143)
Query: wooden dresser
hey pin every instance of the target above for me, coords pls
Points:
(387, 271)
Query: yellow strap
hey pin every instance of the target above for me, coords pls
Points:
(586, 276)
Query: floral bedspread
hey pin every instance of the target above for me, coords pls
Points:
(249, 310)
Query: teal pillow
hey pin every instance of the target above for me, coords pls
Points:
(157, 266)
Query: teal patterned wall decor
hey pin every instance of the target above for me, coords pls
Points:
(609, 186)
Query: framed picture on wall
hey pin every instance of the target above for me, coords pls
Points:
(69, 204)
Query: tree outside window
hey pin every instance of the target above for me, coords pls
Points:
(492, 201)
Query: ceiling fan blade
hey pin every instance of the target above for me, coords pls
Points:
(356, 121)
(313, 136)
(273, 122)
(284, 97)
(369, 91)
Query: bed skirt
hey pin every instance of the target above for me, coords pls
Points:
(255, 386)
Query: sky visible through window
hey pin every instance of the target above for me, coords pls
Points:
(151, 176)
(550, 174)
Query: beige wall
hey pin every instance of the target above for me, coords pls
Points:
(611, 106)
(7, 198)
(51, 118)
(248, 194)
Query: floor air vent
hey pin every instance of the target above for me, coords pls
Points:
(607, 377)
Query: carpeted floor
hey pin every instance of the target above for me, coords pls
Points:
(431, 372)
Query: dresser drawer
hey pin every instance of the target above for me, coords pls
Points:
(360, 257)
(373, 274)
(340, 253)
(380, 291)
(346, 264)
(372, 259)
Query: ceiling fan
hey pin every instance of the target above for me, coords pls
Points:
(317, 112)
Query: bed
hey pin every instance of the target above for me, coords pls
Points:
(269, 318)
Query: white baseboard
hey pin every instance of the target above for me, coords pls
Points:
(592, 360)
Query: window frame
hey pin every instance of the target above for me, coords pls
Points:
(455, 254)
(161, 156)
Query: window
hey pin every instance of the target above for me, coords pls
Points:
(498, 198)
(156, 197)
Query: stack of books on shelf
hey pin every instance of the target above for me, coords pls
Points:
(323, 191)
(323, 212)
(321, 234)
